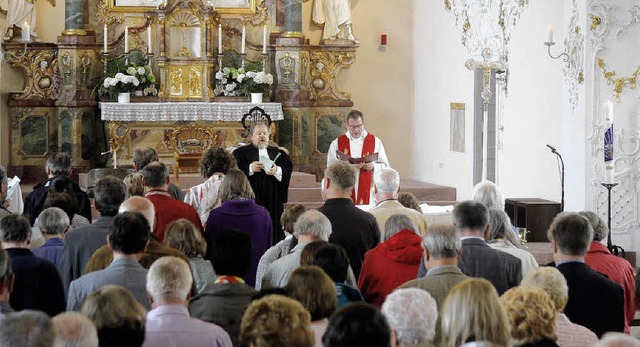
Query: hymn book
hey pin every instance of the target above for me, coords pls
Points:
(363, 160)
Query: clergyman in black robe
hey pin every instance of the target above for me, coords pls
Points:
(270, 185)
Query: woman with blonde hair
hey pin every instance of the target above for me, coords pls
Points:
(532, 315)
(185, 237)
(276, 321)
(472, 316)
(315, 290)
(117, 315)
(239, 211)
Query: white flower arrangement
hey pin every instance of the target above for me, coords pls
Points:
(242, 81)
(127, 79)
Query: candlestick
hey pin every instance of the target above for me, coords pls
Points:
(244, 38)
(149, 39)
(549, 34)
(105, 39)
(220, 38)
(126, 39)
(26, 32)
(264, 39)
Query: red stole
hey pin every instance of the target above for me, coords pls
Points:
(365, 177)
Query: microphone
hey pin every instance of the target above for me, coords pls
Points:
(553, 150)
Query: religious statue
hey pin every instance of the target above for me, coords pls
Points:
(336, 17)
(20, 13)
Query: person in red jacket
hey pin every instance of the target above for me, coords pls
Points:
(391, 263)
(617, 269)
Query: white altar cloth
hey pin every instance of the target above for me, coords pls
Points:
(184, 111)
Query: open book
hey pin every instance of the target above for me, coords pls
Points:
(366, 159)
(268, 163)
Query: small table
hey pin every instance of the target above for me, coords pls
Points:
(534, 214)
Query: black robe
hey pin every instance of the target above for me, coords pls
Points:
(270, 193)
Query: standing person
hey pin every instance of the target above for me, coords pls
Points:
(240, 212)
(270, 184)
(203, 197)
(54, 222)
(353, 229)
(358, 143)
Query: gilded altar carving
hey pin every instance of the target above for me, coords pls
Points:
(325, 67)
(618, 83)
(105, 16)
(287, 70)
(191, 138)
(40, 70)
(260, 17)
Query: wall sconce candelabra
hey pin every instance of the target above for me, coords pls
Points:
(563, 55)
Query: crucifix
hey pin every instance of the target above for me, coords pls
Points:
(486, 65)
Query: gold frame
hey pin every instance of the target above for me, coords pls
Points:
(112, 7)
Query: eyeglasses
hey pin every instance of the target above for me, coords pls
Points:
(354, 127)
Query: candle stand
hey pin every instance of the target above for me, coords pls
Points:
(614, 249)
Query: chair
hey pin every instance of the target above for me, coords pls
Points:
(255, 115)
(189, 143)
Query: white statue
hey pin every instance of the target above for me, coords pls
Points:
(336, 17)
(19, 13)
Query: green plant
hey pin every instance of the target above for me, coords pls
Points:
(125, 78)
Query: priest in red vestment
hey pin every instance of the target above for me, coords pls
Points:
(358, 143)
(268, 169)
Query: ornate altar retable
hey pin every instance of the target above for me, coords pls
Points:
(169, 127)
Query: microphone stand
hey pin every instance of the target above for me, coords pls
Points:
(553, 150)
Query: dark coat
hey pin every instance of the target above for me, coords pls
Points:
(594, 301)
(503, 270)
(270, 193)
(34, 202)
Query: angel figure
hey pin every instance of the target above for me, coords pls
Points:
(20, 13)
(336, 17)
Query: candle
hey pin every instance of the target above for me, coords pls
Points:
(104, 43)
(26, 32)
(126, 39)
(549, 34)
(220, 38)
(115, 159)
(608, 143)
(149, 39)
(264, 39)
(244, 38)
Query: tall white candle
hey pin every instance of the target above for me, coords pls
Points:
(549, 34)
(608, 143)
(264, 39)
(26, 32)
(104, 44)
(220, 38)
(149, 39)
(126, 39)
(244, 38)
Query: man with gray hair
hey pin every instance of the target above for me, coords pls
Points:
(169, 284)
(54, 222)
(392, 262)
(353, 229)
(26, 329)
(412, 315)
(441, 248)
(74, 330)
(58, 168)
(490, 195)
(386, 188)
(311, 226)
(617, 269)
(4, 189)
(594, 301)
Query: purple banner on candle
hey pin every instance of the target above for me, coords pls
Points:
(608, 144)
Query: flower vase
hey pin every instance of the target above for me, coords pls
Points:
(124, 98)
(256, 98)
(138, 93)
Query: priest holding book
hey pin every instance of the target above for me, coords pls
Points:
(268, 169)
(364, 151)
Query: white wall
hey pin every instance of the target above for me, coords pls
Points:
(533, 111)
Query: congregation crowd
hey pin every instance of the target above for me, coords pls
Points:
(216, 267)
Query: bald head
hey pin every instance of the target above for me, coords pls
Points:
(140, 205)
(74, 329)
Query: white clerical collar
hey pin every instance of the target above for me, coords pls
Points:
(361, 138)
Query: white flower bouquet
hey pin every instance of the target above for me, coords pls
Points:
(121, 78)
(233, 81)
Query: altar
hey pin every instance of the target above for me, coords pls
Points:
(173, 128)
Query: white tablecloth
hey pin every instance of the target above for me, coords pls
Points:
(184, 111)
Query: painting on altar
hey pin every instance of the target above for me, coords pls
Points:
(222, 6)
